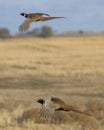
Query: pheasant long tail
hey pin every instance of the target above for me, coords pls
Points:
(50, 18)
(85, 113)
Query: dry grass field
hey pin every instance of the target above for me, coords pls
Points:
(69, 67)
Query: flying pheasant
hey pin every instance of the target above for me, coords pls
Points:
(53, 104)
(34, 17)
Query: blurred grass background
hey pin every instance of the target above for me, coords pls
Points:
(69, 67)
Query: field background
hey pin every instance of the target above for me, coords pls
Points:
(71, 68)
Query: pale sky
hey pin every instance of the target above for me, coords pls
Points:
(87, 15)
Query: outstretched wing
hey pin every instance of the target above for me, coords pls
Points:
(47, 109)
(49, 18)
(25, 25)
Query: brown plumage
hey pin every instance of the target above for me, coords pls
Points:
(34, 17)
(56, 104)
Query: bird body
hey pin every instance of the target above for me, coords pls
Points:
(56, 104)
(34, 17)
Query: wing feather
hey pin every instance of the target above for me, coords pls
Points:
(47, 109)
(25, 25)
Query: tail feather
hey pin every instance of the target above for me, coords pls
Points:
(70, 108)
(49, 18)
(85, 113)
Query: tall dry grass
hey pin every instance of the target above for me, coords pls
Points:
(69, 67)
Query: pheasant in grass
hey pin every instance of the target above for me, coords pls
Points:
(53, 104)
